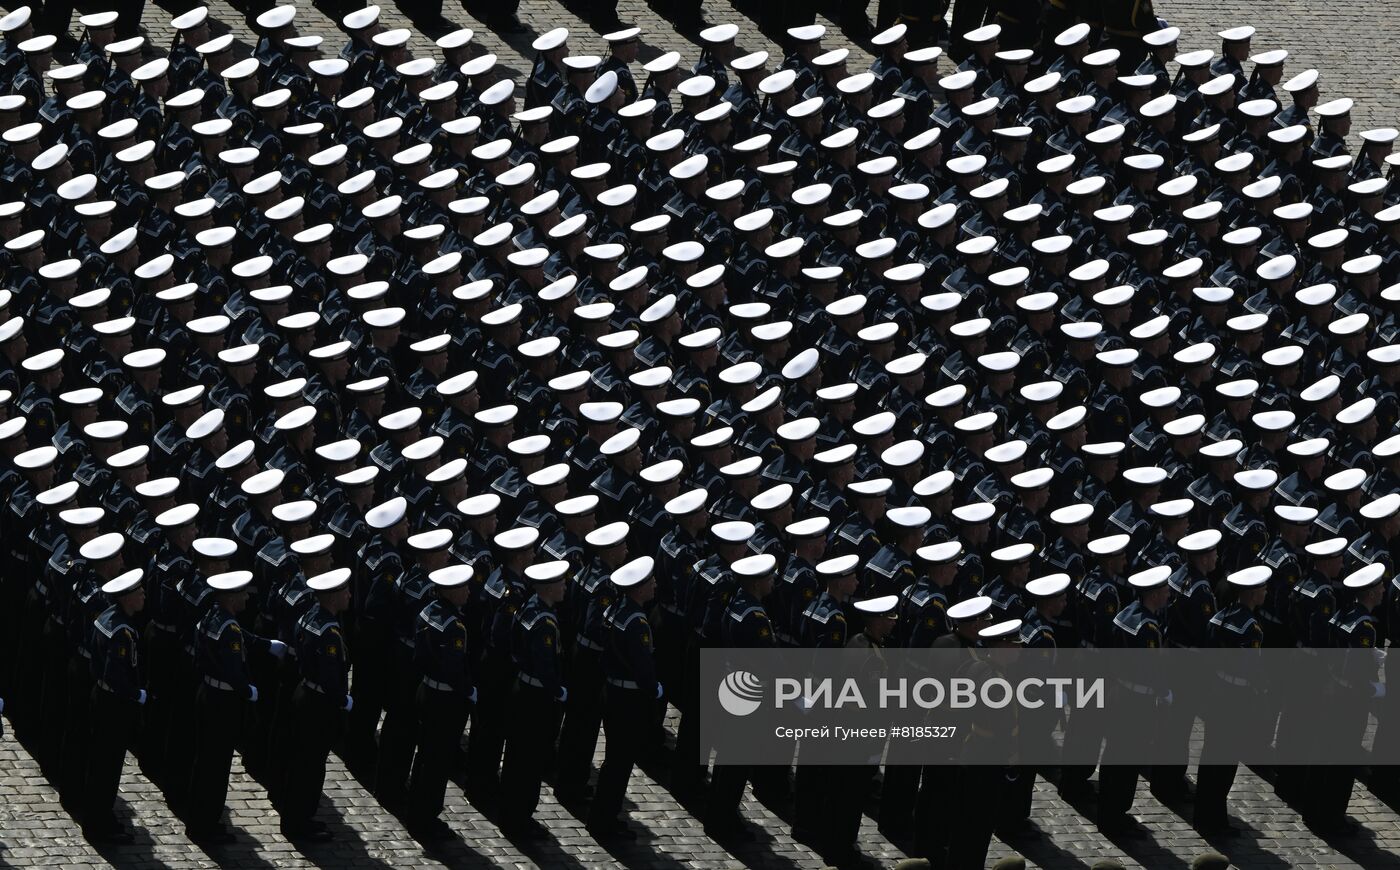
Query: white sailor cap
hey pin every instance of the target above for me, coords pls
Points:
(1049, 586)
(230, 581)
(634, 573)
(1364, 578)
(1152, 578)
(760, 565)
(1256, 479)
(883, 605)
(1381, 508)
(214, 548)
(839, 566)
(451, 576)
(1335, 108)
(550, 475)
(687, 502)
(329, 581)
(479, 505)
(662, 472)
(387, 514)
(123, 583)
(102, 547)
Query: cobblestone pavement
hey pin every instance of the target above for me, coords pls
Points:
(1350, 44)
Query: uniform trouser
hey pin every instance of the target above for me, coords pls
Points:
(162, 652)
(534, 717)
(726, 792)
(282, 734)
(1018, 32)
(29, 678)
(1132, 51)
(487, 739)
(626, 712)
(398, 736)
(967, 15)
(315, 722)
(1118, 777)
(491, 12)
(219, 721)
(971, 836)
(1037, 744)
(264, 674)
(679, 11)
(111, 727)
(442, 716)
(690, 761)
(1174, 724)
(672, 637)
(853, 16)
(55, 694)
(183, 732)
(370, 683)
(928, 24)
(845, 799)
(898, 795)
(779, 15)
(73, 767)
(1295, 737)
(1053, 21)
(15, 591)
(583, 716)
(809, 815)
(940, 788)
(1386, 777)
(54, 16)
(1226, 725)
(1020, 794)
(1329, 786)
(1083, 739)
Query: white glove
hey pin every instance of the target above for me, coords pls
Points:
(472, 696)
(277, 648)
(659, 690)
(2, 705)
(1378, 690)
(142, 698)
(349, 704)
(1167, 698)
(252, 693)
(563, 694)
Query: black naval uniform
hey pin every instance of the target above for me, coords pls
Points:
(445, 697)
(222, 650)
(631, 693)
(1234, 628)
(117, 698)
(536, 707)
(319, 701)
